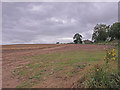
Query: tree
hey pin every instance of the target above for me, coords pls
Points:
(77, 38)
(100, 33)
(57, 42)
(114, 32)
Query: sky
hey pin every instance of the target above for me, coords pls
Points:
(51, 22)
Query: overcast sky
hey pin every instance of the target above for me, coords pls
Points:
(49, 22)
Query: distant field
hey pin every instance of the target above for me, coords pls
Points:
(49, 65)
(28, 46)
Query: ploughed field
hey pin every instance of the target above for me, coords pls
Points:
(48, 65)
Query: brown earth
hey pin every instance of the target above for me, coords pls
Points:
(11, 58)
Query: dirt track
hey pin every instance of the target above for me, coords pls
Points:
(11, 58)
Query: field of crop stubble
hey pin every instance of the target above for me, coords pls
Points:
(49, 65)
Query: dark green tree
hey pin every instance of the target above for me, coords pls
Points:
(77, 38)
(57, 42)
(114, 32)
(100, 33)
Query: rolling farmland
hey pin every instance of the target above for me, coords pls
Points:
(37, 65)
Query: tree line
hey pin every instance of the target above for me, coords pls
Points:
(101, 33)
(104, 32)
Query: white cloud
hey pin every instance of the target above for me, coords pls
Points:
(36, 8)
(54, 19)
(63, 20)
(73, 20)
(65, 39)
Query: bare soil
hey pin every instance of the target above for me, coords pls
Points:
(11, 58)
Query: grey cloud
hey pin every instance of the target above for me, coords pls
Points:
(51, 22)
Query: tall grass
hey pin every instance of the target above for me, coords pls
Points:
(105, 75)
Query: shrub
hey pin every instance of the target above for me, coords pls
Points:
(57, 42)
(110, 56)
(104, 75)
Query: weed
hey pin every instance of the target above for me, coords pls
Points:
(103, 75)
